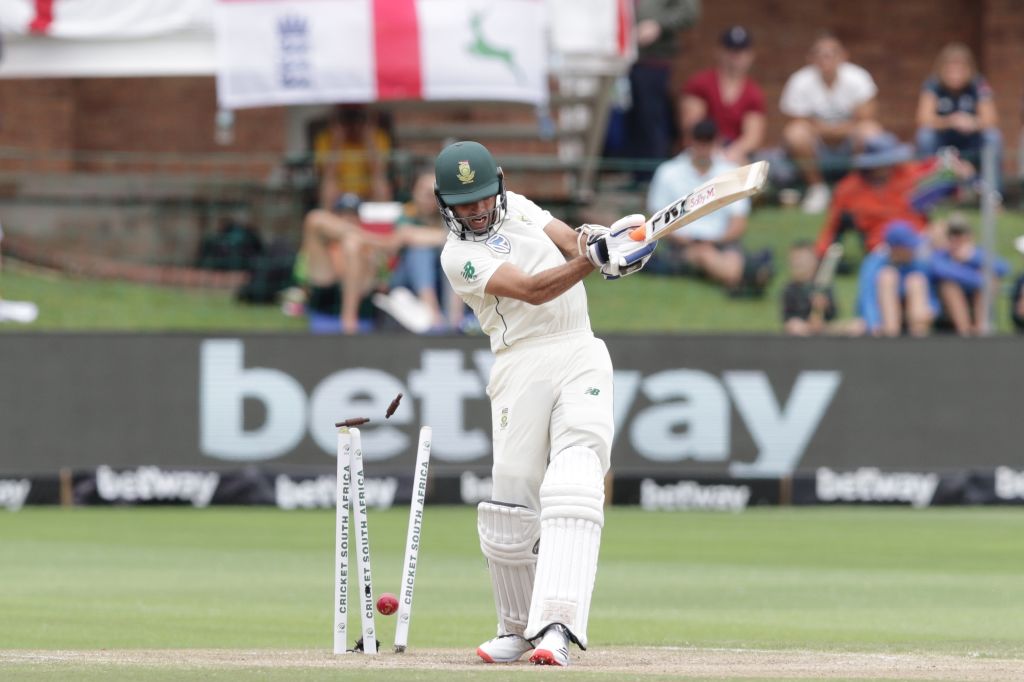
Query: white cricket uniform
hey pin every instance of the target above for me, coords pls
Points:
(551, 384)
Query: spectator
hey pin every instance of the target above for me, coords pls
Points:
(807, 308)
(728, 96)
(419, 265)
(650, 122)
(831, 106)
(893, 292)
(337, 265)
(710, 245)
(957, 274)
(956, 109)
(351, 156)
(887, 185)
(1017, 293)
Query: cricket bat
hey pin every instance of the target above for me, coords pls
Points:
(826, 271)
(717, 192)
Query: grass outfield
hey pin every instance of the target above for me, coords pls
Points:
(255, 586)
(635, 304)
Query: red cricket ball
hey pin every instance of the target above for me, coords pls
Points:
(387, 604)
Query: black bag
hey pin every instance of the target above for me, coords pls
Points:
(233, 247)
(269, 274)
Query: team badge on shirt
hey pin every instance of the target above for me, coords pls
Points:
(499, 243)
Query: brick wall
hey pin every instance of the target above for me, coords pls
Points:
(168, 119)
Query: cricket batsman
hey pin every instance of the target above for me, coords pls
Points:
(521, 272)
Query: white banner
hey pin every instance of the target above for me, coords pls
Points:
(102, 19)
(327, 51)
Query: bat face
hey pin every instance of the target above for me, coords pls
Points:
(717, 192)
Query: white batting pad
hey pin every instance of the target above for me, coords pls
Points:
(572, 515)
(508, 538)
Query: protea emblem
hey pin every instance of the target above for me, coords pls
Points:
(466, 174)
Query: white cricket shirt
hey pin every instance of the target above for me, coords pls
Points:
(522, 242)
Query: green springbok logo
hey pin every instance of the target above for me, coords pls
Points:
(483, 48)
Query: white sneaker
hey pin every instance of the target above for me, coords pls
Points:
(553, 648)
(816, 199)
(503, 649)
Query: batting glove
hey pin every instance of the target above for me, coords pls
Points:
(620, 254)
(584, 233)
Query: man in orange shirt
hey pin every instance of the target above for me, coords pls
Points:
(886, 186)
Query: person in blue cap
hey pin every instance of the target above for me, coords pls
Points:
(893, 293)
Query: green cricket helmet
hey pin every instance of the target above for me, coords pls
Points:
(464, 173)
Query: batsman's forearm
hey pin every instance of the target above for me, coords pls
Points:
(552, 283)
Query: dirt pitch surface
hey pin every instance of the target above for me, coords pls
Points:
(636, 661)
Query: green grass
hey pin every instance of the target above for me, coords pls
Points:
(71, 304)
(635, 304)
(828, 579)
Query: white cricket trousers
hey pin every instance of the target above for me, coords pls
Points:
(547, 394)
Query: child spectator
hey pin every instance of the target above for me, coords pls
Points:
(956, 109)
(957, 274)
(832, 109)
(807, 309)
(893, 291)
(709, 246)
(1017, 294)
(728, 96)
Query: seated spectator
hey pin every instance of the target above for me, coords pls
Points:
(957, 274)
(893, 292)
(956, 109)
(337, 265)
(1017, 293)
(351, 156)
(888, 185)
(709, 246)
(419, 265)
(809, 309)
(832, 110)
(728, 96)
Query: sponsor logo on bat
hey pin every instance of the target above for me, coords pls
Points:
(697, 200)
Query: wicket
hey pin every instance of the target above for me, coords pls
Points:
(351, 475)
(412, 539)
(351, 491)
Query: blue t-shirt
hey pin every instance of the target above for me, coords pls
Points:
(943, 267)
(966, 100)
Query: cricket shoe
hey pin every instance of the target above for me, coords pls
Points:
(503, 649)
(553, 648)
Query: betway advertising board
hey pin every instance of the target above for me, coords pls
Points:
(736, 407)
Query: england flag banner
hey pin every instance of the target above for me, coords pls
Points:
(275, 52)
